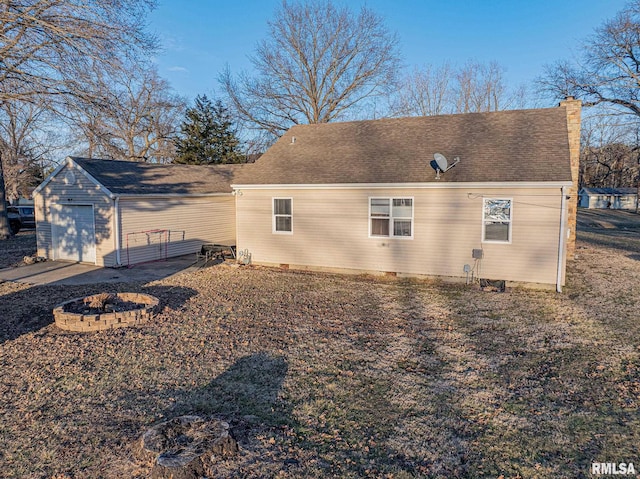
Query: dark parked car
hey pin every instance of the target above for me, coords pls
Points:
(21, 217)
(14, 222)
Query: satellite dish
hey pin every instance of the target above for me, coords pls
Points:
(441, 161)
(440, 164)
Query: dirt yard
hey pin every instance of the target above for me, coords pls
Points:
(337, 376)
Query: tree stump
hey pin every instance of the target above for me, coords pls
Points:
(182, 447)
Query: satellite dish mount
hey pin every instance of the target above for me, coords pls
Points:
(441, 165)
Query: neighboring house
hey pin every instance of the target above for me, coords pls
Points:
(609, 198)
(363, 196)
(112, 213)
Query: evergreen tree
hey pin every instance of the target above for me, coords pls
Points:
(207, 135)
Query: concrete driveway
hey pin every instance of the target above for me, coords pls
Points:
(58, 272)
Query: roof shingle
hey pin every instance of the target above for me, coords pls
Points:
(505, 146)
(133, 178)
(625, 190)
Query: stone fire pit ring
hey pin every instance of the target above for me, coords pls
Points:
(144, 310)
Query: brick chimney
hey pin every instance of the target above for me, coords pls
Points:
(573, 108)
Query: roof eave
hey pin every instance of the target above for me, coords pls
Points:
(171, 195)
(430, 185)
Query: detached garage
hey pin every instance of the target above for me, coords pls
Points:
(113, 213)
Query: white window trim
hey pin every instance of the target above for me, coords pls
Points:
(273, 215)
(493, 198)
(391, 218)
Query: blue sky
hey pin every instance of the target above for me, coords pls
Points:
(201, 37)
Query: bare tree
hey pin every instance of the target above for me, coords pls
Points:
(318, 62)
(44, 43)
(40, 39)
(481, 87)
(425, 92)
(130, 114)
(607, 73)
(25, 146)
(475, 87)
(608, 70)
(610, 152)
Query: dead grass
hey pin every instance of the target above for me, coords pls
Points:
(15, 248)
(336, 376)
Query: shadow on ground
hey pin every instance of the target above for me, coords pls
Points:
(246, 396)
(624, 241)
(248, 389)
(613, 229)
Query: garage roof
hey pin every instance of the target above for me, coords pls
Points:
(134, 178)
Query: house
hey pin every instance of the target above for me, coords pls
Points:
(113, 213)
(364, 196)
(611, 198)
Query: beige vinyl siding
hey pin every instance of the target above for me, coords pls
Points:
(331, 230)
(82, 192)
(157, 227)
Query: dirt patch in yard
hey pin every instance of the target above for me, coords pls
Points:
(336, 376)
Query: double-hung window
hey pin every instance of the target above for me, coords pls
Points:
(496, 220)
(391, 217)
(282, 215)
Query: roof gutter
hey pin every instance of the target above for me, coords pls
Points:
(486, 185)
(562, 239)
(172, 195)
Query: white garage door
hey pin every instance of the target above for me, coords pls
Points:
(73, 233)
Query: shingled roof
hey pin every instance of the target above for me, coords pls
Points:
(133, 178)
(505, 146)
(611, 191)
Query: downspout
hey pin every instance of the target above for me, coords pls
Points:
(562, 240)
(235, 193)
(116, 218)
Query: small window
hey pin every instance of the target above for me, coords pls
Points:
(282, 215)
(391, 217)
(496, 220)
